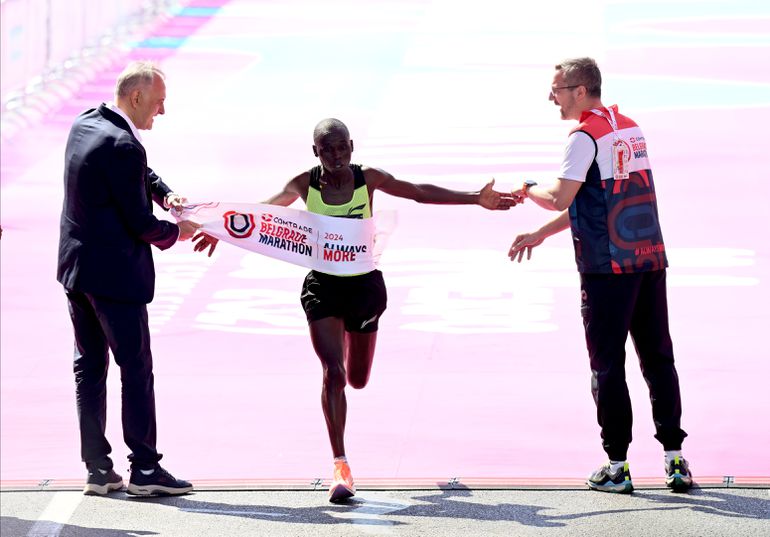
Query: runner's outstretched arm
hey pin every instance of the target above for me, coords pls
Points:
(487, 197)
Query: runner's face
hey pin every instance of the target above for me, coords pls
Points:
(334, 150)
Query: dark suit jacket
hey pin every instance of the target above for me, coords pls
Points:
(107, 225)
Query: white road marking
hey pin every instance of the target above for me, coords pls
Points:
(233, 512)
(366, 517)
(56, 514)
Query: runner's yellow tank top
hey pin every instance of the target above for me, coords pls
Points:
(357, 207)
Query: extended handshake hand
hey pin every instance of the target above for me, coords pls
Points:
(494, 200)
(519, 196)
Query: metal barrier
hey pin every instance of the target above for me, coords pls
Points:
(45, 43)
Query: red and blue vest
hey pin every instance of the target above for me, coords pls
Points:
(615, 226)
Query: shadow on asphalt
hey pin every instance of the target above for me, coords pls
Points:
(455, 504)
(716, 503)
(11, 526)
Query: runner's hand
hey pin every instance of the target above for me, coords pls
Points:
(493, 200)
(205, 241)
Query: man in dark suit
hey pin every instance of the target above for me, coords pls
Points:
(106, 268)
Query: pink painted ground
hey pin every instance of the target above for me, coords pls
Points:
(481, 371)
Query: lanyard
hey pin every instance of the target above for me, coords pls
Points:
(620, 151)
(611, 120)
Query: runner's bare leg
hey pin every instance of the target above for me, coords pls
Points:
(359, 357)
(328, 338)
(346, 357)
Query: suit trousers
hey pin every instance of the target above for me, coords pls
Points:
(612, 306)
(103, 325)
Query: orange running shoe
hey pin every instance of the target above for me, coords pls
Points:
(342, 486)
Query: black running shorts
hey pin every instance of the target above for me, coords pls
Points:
(358, 300)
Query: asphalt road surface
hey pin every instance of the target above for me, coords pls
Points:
(733, 512)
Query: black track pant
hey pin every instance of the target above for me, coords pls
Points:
(612, 306)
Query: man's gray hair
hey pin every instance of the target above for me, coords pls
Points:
(582, 72)
(136, 75)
